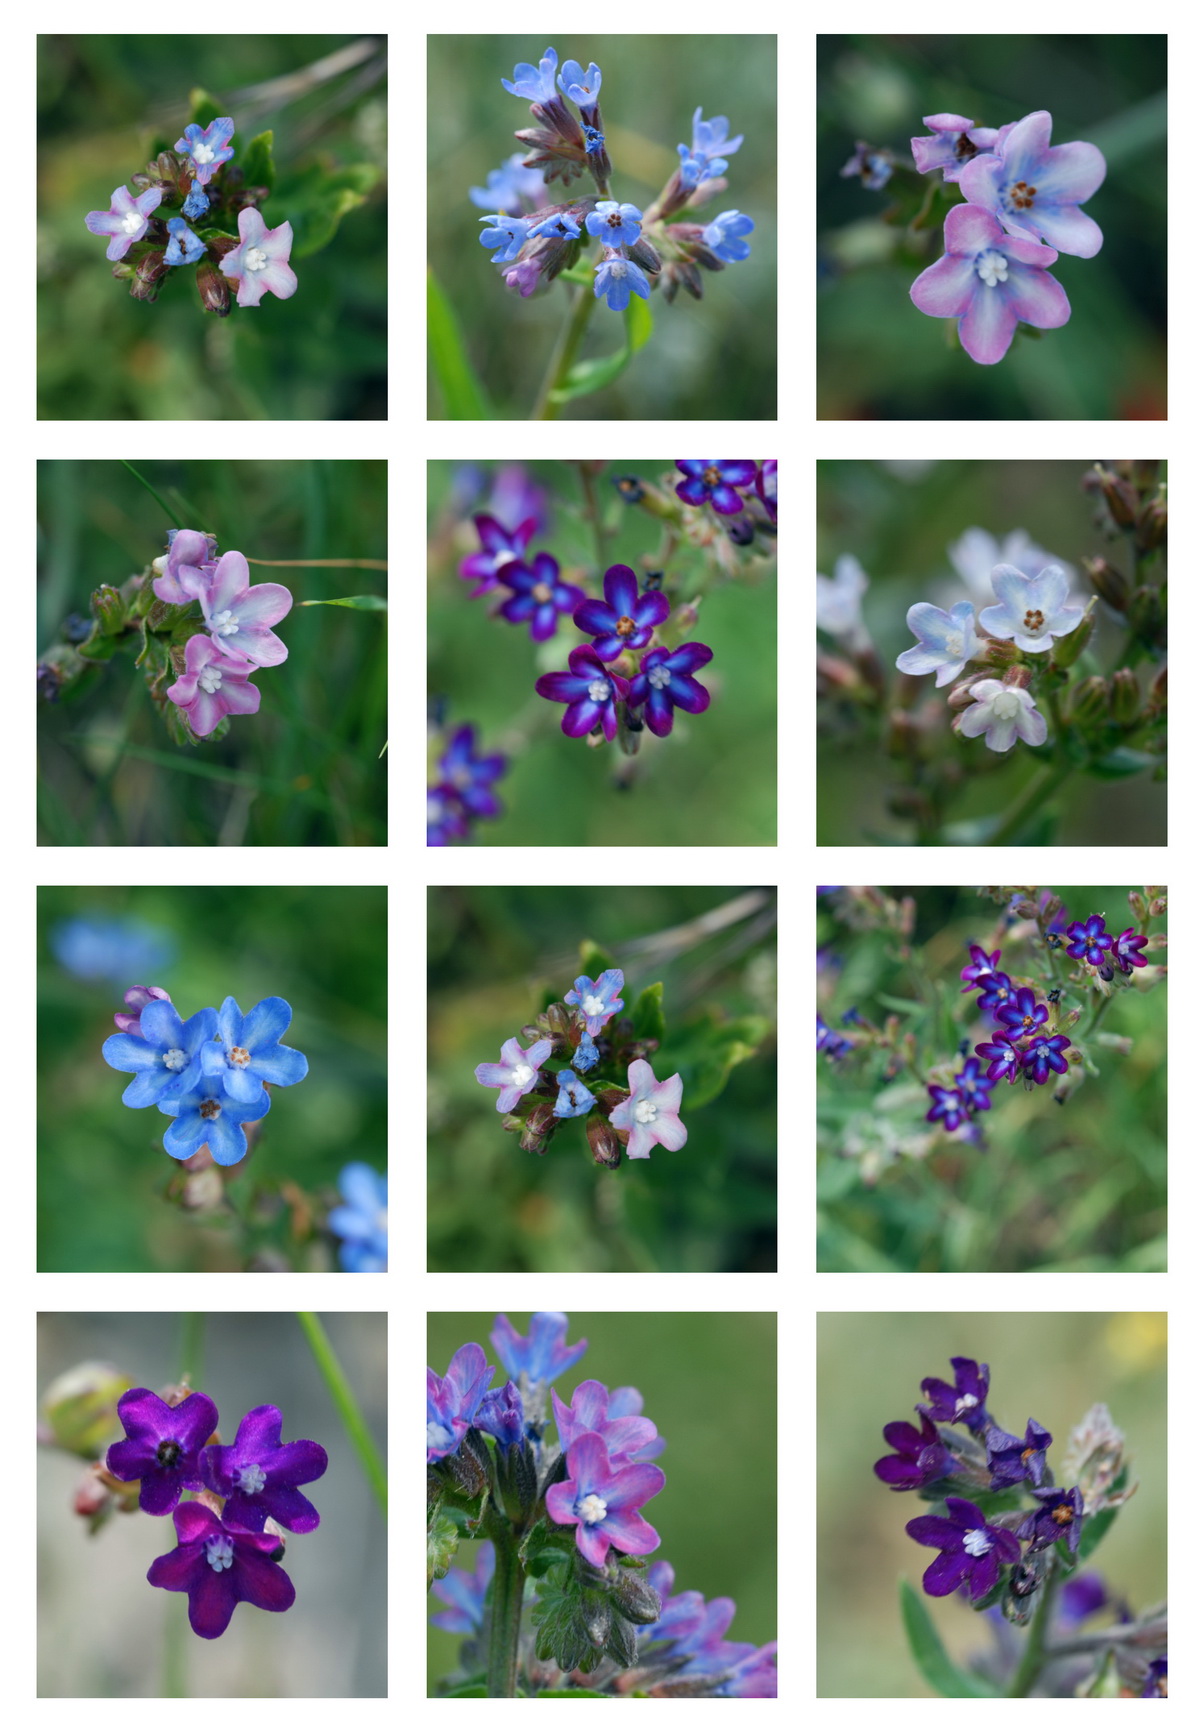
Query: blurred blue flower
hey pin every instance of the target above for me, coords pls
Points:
(362, 1220)
(111, 949)
(463, 1592)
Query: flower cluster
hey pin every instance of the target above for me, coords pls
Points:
(1022, 209)
(149, 234)
(462, 787)
(230, 1538)
(209, 1073)
(533, 239)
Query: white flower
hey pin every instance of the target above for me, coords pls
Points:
(977, 553)
(1032, 609)
(947, 640)
(839, 603)
(1005, 712)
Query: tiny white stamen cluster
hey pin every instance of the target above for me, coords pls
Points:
(521, 1074)
(992, 268)
(645, 1112)
(219, 1552)
(202, 155)
(225, 623)
(592, 1006)
(977, 1543)
(598, 689)
(176, 1060)
(251, 1478)
(256, 258)
(593, 1509)
(967, 1401)
(209, 679)
(659, 677)
(133, 221)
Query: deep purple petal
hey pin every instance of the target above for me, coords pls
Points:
(687, 694)
(595, 618)
(935, 1532)
(947, 1572)
(621, 589)
(725, 500)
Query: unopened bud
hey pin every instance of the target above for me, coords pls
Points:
(1146, 613)
(643, 253)
(638, 1601)
(1120, 496)
(605, 1145)
(1110, 584)
(1137, 904)
(213, 288)
(1157, 701)
(688, 615)
(1152, 525)
(558, 1018)
(1126, 697)
(92, 1496)
(960, 695)
(1018, 677)
(79, 1410)
(1089, 701)
(109, 609)
(538, 1128)
(147, 278)
(1144, 475)
(630, 488)
(1067, 649)
(1158, 901)
(999, 653)
(1112, 1040)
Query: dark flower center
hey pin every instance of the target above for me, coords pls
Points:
(1030, 1451)
(712, 477)
(1034, 621)
(625, 626)
(541, 593)
(964, 149)
(616, 220)
(168, 1453)
(210, 1109)
(1022, 195)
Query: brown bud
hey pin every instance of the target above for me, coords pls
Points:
(538, 1128)
(1018, 677)
(213, 288)
(604, 1141)
(558, 1018)
(999, 653)
(1110, 584)
(1152, 524)
(1120, 496)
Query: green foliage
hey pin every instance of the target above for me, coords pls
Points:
(929, 1652)
(258, 163)
(203, 108)
(647, 1016)
(587, 376)
(594, 959)
(463, 396)
(579, 1619)
(441, 1544)
(356, 603)
(318, 198)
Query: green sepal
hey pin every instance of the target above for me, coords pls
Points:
(98, 646)
(441, 1544)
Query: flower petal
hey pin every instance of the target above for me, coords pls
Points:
(1070, 229)
(986, 331)
(265, 1024)
(971, 229)
(1036, 296)
(947, 1572)
(621, 589)
(944, 290)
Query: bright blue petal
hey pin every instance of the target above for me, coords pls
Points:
(129, 1054)
(280, 1066)
(185, 1136)
(226, 1141)
(265, 1024)
(229, 1023)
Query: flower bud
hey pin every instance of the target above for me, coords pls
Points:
(1137, 904)
(79, 1410)
(1067, 649)
(1158, 901)
(1156, 703)
(1144, 475)
(636, 1599)
(1126, 697)
(630, 488)
(213, 288)
(1110, 584)
(538, 1128)
(1119, 495)
(109, 609)
(558, 1019)
(999, 653)
(1018, 677)
(1152, 525)
(605, 1145)
(1146, 617)
(643, 253)
(688, 615)
(147, 278)
(1089, 701)
(1112, 1040)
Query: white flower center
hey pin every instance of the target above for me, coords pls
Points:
(659, 678)
(250, 1478)
(521, 1074)
(616, 267)
(976, 1543)
(132, 221)
(1005, 706)
(225, 623)
(992, 268)
(955, 645)
(645, 1112)
(256, 258)
(592, 1005)
(210, 680)
(593, 1509)
(598, 689)
(202, 155)
(218, 1550)
(176, 1060)
(436, 1434)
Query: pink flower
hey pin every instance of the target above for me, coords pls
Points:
(989, 281)
(126, 220)
(238, 615)
(212, 686)
(140, 996)
(603, 1502)
(515, 1073)
(260, 264)
(187, 549)
(651, 1111)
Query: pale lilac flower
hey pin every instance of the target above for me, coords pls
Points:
(955, 142)
(515, 1073)
(946, 641)
(976, 553)
(140, 996)
(839, 603)
(126, 219)
(187, 549)
(1032, 610)
(651, 1111)
(1036, 188)
(990, 282)
(213, 686)
(238, 616)
(260, 264)
(208, 147)
(1004, 712)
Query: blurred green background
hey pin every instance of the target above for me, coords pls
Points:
(1053, 1366)
(104, 1632)
(102, 1170)
(711, 782)
(103, 101)
(709, 1381)
(712, 359)
(878, 357)
(494, 1207)
(898, 519)
(304, 770)
(1080, 1187)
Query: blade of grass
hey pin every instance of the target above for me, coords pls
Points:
(346, 1404)
(462, 393)
(157, 496)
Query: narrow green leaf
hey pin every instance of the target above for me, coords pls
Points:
(648, 1018)
(158, 499)
(639, 323)
(203, 108)
(356, 603)
(463, 395)
(258, 163)
(1120, 763)
(590, 375)
(929, 1653)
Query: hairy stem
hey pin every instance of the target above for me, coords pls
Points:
(346, 1404)
(507, 1591)
(565, 350)
(1035, 1655)
(1036, 792)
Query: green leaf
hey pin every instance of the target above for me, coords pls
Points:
(639, 323)
(467, 1691)
(570, 1693)
(317, 200)
(1120, 763)
(594, 959)
(463, 395)
(648, 1013)
(258, 162)
(929, 1653)
(589, 375)
(712, 1049)
(356, 603)
(900, 1004)
(202, 107)
(440, 1546)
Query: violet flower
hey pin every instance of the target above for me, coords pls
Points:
(260, 1477)
(597, 1002)
(1003, 1058)
(995, 991)
(218, 1566)
(945, 641)
(140, 996)
(1013, 1460)
(1089, 941)
(603, 1502)
(501, 546)
(126, 219)
(650, 1113)
(628, 1400)
(162, 1446)
(917, 1458)
(972, 1086)
(1058, 1517)
(590, 691)
(539, 595)
(1023, 1015)
(1036, 188)
(187, 550)
(955, 142)
(208, 146)
(502, 1414)
(989, 282)
(1124, 950)
(259, 265)
(972, 1550)
(165, 1054)
(1042, 1055)
(237, 615)
(542, 1356)
(709, 482)
(212, 686)
(664, 682)
(451, 1403)
(589, 1412)
(949, 1107)
(983, 965)
(471, 776)
(963, 1401)
(573, 1098)
(516, 1073)
(623, 618)
(250, 1051)
(464, 1593)
(1032, 609)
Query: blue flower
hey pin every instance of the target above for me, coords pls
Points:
(573, 1098)
(996, 991)
(724, 236)
(502, 1415)
(464, 1592)
(615, 224)
(704, 161)
(586, 1056)
(196, 202)
(599, 1001)
(166, 1057)
(508, 187)
(451, 1403)
(250, 1051)
(539, 595)
(558, 225)
(111, 949)
(534, 83)
(207, 1116)
(509, 233)
(615, 277)
(972, 1086)
(208, 147)
(183, 247)
(471, 776)
(582, 87)
(543, 1355)
(362, 1221)
(593, 141)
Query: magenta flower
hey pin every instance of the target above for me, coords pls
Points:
(955, 142)
(623, 618)
(665, 682)
(260, 264)
(1036, 188)
(501, 546)
(515, 1073)
(238, 615)
(125, 220)
(208, 146)
(162, 1446)
(142, 994)
(651, 1111)
(451, 1403)
(260, 1477)
(589, 1412)
(218, 1566)
(989, 281)
(1125, 951)
(212, 686)
(190, 551)
(590, 691)
(602, 1502)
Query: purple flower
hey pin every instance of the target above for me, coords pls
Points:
(573, 1098)
(207, 146)
(445, 816)
(140, 996)
(558, 225)
(165, 1053)
(1124, 950)
(162, 1446)
(945, 641)
(250, 1051)
(616, 278)
(190, 551)
(695, 1629)
(505, 237)
(1081, 1596)
(602, 1502)
(361, 1222)
(1089, 941)
(597, 1002)
(184, 247)
(451, 1403)
(464, 1592)
(538, 596)
(1032, 610)
(516, 1073)
(212, 686)
(471, 776)
(725, 235)
(713, 483)
(627, 1400)
(831, 1043)
(1059, 1517)
(1004, 713)
(501, 547)
(544, 1354)
(766, 485)
(1023, 1014)
(534, 83)
(1003, 1058)
(207, 1116)
(590, 690)
(237, 615)
(955, 142)
(623, 618)
(873, 167)
(125, 220)
(919, 1456)
(260, 1477)
(650, 1114)
(982, 966)
(989, 282)
(502, 1414)
(1155, 1683)
(589, 1412)
(1012, 1460)
(664, 682)
(508, 187)
(1036, 188)
(972, 1550)
(963, 1401)
(973, 1087)
(995, 992)
(1041, 1054)
(218, 1566)
(948, 1107)
(615, 224)
(259, 265)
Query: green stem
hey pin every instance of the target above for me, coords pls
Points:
(346, 1404)
(1041, 787)
(175, 1652)
(158, 498)
(592, 510)
(507, 1593)
(191, 1348)
(1034, 1657)
(1101, 1009)
(563, 357)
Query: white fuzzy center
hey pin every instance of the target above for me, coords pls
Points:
(210, 680)
(250, 1478)
(992, 268)
(977, 1543)
(659, 678)
(132, 221)
(521, 1074)
(598, 689)
(1005, 706)
(645, 1112)
(955, 645)
(202, 155)
(256, 258)
(593, 1509)
(176, 1060)
(218, 1550)
(592, 1006)
(224, 623)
